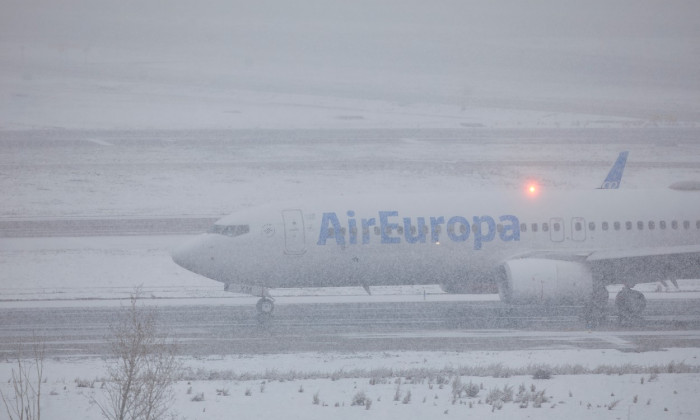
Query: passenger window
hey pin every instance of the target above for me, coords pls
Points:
(523, 227)
(591, 226)
(463, 229)
(674, 224)
(605, 225)
(425, 230)
(342, 231)
(499, 228)
(651, 225)
(400, 230)
(616, 225)
(686, 225)
(578, 226)
(556, 227)
(534, 227)
(628, 225)
(377, 231)
(413, 230)
(545, 227)
(662, 224)
(331, 232)
(640, 225)
(353, 231)
(697, 224)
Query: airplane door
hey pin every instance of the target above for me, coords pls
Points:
(294, 241)
(556, 229)
(578, 229)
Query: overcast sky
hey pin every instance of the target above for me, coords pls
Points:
(626, 58)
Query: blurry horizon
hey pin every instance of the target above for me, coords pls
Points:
(222, 64)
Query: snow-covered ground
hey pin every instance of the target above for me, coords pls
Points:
(201, 173)
(624, 385)
(535, 71)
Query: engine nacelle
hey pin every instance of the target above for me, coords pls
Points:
(537, 281)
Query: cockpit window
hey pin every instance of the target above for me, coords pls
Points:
(230, 230)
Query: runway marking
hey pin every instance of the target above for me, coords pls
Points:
(100, 142)
(616, 339)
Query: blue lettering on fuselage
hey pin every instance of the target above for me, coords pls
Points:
(394, 230)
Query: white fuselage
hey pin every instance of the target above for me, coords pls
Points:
(458, 238)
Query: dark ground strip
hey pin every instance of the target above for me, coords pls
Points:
(103, 227)
(429, 326)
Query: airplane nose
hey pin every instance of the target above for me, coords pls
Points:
(181, 257)
(206, 255)
(191, 255)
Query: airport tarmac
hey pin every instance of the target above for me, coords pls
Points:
(203, 328)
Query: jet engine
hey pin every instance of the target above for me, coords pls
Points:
(538, 281)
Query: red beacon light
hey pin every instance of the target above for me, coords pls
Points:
(532, 189)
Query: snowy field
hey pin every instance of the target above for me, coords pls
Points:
(391, 385)
(171, 109)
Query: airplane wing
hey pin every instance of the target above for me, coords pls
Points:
(610, 254)
(631, 266)
(597, 256)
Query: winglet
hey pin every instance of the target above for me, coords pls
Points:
(612, 181)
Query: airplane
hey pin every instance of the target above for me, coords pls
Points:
(534, 246)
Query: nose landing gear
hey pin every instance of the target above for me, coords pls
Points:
(265, 307)
(266, 304)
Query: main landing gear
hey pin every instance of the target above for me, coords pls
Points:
(630, 304)
(595, 312)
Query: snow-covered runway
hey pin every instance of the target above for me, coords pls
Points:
(207, 327)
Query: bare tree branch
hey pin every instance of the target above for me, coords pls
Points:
(24, 400)
(145, 367)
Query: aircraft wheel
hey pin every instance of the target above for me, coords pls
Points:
(630, 305)
(265, 307)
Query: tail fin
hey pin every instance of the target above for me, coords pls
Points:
(612, 181)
